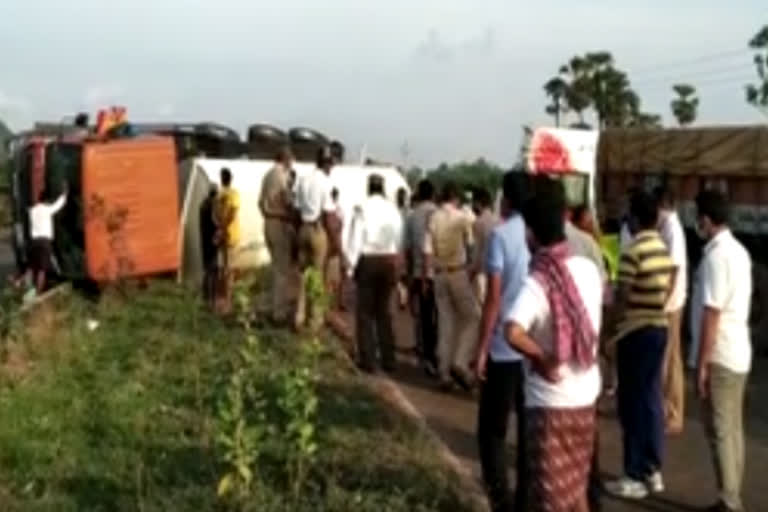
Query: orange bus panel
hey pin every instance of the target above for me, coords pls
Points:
(130, 204)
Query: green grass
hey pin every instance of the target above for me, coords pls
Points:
(123, 418)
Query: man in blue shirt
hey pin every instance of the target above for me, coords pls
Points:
(500, 368)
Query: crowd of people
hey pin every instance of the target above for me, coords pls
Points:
(521, 305)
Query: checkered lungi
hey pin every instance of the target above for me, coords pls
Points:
(560, 445)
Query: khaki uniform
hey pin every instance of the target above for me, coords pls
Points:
(313, 199)
(449, 233)
(673, 377)
(313, 253)
(280, 237)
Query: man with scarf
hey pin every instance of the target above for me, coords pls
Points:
(554, 323)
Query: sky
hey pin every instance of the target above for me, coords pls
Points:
(414, 82)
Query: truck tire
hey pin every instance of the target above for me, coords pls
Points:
(307, 135)
(266, 133)
(264, 141)
(305, 142)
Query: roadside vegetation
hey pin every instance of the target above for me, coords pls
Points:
(162, 406)
(5, 197)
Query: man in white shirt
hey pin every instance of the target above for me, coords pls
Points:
(672, 233)
(554, 323)
(722, 346)
(42, 236)
(375, 244)
(314, 201)
(404, 207)
(625, 236)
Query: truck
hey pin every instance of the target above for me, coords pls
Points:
(135, 190)
(121, 215)
(599, 168)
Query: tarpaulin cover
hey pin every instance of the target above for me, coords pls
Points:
(730, 151)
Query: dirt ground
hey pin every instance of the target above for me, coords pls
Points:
(688, 469)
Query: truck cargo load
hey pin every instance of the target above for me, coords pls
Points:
(733, 159)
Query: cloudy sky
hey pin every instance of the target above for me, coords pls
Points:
(423, 80)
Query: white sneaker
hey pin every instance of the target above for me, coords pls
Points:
(627, 488)
(655, 483)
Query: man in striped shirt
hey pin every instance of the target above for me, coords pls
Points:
(646, 274)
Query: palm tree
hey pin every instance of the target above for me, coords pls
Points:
(592, 80)
(685, 106)
(578, 97)
(615, 101)
(556, 88)
(598, 83)
(757, 94)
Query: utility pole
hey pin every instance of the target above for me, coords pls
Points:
(405, 153)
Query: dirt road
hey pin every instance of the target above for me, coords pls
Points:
(688, 470)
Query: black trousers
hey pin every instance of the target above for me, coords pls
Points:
(375, 276)
(640, 359)
(502, 391)
(423, 291)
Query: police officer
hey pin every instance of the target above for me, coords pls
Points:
(280, 233)
(446, 245)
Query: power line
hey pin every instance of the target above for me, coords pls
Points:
(691, 76)
(695, 60)
(735, 81)
(741, 66)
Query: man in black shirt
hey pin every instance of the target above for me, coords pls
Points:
(208, 245)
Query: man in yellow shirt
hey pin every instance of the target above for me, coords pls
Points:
(226, 216)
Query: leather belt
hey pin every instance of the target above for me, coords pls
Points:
(281, 218)
(450, 270)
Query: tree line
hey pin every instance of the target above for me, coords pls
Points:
(468, 176)
(593, 82)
